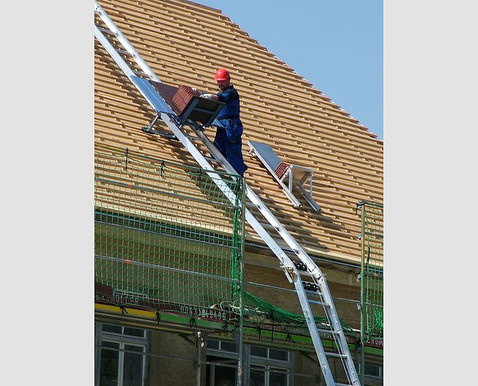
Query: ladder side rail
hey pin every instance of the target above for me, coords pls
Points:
(314, 332)
(339, 338)
(124, 41)
(129, 72)
(315, 272)
(113, 53)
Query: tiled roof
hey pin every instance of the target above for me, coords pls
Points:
(184, 43)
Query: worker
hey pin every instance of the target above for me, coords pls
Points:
(228, 138)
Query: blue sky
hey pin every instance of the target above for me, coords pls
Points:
(334, 44)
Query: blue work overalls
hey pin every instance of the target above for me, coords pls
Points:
(228, 139)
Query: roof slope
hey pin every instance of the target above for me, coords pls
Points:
(184, 43)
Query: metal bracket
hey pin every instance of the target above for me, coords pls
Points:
(293, 178)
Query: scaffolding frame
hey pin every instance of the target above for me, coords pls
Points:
(157, 235)
(371, 276)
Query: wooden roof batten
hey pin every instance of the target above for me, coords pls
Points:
(226, 43)
(356, 167)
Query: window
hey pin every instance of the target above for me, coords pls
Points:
(274, 369)
(263, 366)
(268, 375)
(373, 374)
(109, 364)
(120, 356)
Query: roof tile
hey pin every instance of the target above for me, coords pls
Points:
(184, 43)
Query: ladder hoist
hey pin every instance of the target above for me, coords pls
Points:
(315, 291)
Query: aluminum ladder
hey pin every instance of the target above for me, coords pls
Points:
(314, 292)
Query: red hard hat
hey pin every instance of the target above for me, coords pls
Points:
(222, 74)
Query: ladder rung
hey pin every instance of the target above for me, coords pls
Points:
(319, 303)
(304, 273)
(141, 73)
(266, 225)
(106, 30)
(124, 52)
(328, 331)
(335, 355)
(210, 159)
(193, 138)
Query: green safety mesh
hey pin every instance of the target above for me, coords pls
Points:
(259, 312)
(166, 237)
(372, 271)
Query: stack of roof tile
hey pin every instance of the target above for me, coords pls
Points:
(281, 169)
(182, 98)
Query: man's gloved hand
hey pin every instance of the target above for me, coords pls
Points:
(207, 96)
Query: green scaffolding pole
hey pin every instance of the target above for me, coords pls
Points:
(371, 276)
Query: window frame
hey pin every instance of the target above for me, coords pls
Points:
(371, 377)
(267, 363)
(123, 340)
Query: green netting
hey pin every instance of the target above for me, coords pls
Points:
(166, 237)
(372, 271)
(259, 311)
